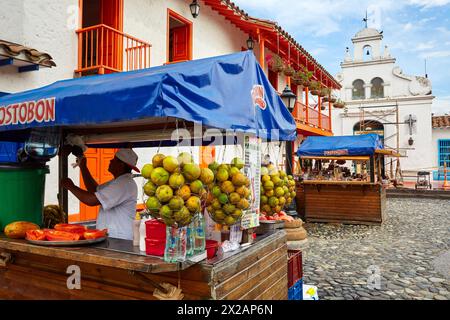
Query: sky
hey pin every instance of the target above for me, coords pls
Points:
(414, 30)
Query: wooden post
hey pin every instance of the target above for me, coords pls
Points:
(372, 169)
(319, 109)
(329, 113)
(261, 50)
(306, 104)
(63, 173)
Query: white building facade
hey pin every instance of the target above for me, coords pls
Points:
(380, 98)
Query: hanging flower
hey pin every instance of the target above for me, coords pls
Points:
(339, 104)
(288, 71)
(275, 63)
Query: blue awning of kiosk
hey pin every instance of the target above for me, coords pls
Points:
(365, 144)
(227, 92)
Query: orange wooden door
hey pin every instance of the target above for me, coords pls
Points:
(98, 163)
(112, 46)
(180, 36)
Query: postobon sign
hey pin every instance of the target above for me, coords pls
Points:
(27, 112)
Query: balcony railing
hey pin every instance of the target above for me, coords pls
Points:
(310, 116)
(102, 49)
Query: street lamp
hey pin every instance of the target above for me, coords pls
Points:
(250, 43)
(289, 99)
(195, 8)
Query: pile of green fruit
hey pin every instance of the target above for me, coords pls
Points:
(175, 188)
(229, 195)
(277, 190)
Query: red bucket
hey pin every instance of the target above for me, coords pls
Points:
(155, 247)
(155, 230)
(211, 248)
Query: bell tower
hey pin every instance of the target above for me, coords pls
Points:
(367, 45)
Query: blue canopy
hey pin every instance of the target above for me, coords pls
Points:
(365, 144)
(226, 92)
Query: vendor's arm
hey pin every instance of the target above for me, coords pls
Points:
(89, 181)
(87, 197)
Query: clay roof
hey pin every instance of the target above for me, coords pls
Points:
(20, 52)
(276, 33)
(441, 121)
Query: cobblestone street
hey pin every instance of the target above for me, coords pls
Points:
(411, 250)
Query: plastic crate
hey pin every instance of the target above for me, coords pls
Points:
(296, 291)
(295, 270)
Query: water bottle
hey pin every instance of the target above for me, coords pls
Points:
(181, 244)
(199, 233)
(190, 240)
(175, 250)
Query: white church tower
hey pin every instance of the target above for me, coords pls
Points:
(381, 99)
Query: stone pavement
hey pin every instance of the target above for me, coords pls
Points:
(408, 257)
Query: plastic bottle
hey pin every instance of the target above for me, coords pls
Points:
(181, 244)
(136, 227)
(176, 239)
(142, 232)
(170, 249)
(190, 239)
(199, 233)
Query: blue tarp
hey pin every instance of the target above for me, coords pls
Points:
(226, 92)
(365, 144)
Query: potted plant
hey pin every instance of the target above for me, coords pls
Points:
(324, 92)
(275, 63)
(314, 88)
(288, 71)
(297, 78)
(339, 104)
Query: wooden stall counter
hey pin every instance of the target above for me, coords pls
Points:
(29, 271)
(352, 202)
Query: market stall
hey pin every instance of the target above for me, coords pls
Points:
(229, 94)
(343, 179)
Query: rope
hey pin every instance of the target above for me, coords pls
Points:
(165, 127)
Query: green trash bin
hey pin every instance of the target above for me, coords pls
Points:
(22, 188)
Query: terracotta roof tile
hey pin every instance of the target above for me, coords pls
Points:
(15, 50)
(273, 25)
(441, 121)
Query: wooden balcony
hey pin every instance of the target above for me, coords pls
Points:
(310, 120)
(102, 49)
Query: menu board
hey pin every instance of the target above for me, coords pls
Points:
(252, 169)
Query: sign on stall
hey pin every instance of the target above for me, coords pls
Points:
(252, 169)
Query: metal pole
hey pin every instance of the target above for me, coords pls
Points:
(289, 157)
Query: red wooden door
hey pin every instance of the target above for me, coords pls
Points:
(180, 36)
(98, 163)
(112, 46)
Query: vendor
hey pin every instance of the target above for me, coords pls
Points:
(117, 198)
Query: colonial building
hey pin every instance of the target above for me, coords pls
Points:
(441, 145)
(381, 98)
(95, 37)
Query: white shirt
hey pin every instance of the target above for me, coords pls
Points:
(118, 200)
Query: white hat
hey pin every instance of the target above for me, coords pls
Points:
(129, 157)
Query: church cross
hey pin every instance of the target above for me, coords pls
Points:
(410, 123)
(365, 19)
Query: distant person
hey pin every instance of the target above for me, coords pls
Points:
(266, 160)
(117, 198)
